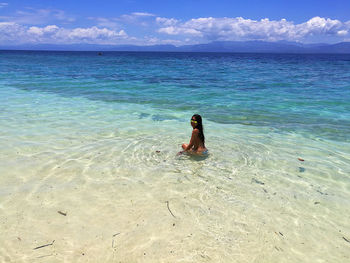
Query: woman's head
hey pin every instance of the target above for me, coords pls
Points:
(196, 122)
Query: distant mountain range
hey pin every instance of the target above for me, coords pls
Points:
(218, 46)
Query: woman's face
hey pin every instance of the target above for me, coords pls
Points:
(193, 122)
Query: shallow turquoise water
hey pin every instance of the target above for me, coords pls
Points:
(301, 93)
(81, 133)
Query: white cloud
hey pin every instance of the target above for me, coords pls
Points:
(166, 21)
(14, 33)
(136, 18)
(93, 33)
(11, 32)
(142, 14)
(319, 26)
(106, 22)
(342, 32)
(43, 30)
(3, 5)
(171, 30)
(246, 29)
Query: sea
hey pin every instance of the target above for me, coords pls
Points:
(89, 170)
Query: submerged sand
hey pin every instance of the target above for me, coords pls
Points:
(98, 189)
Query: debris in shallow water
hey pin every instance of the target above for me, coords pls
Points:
(113, 238)
(301, 169)
(321, 192)
(157, 151)
(257, 181)
(62, 213)
(44, 245)
(280, 233)
(316, 203)
(347, 240)
(302, 160)
(45, 256)
(167, 203)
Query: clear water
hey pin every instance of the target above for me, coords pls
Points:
(96, 137)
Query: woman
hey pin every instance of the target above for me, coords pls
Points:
(196, 144)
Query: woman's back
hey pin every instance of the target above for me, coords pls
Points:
(198, 144)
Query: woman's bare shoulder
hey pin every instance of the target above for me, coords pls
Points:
(195, 131)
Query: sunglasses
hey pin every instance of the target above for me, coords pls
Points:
(193, 121)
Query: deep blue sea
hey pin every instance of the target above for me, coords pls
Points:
(96, 136)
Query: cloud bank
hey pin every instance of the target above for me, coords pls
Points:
(10, 32)
(246, 29)
(45, 26)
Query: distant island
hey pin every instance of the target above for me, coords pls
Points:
(217, 46)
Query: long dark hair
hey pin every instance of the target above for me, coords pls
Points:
(199, 126)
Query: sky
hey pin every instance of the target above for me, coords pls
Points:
(179, 22)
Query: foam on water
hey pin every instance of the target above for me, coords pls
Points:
(113, 169)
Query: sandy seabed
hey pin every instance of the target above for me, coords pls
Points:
(117, 193)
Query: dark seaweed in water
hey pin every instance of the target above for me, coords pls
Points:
(143, 115)
(163, 117)
(257, 181)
